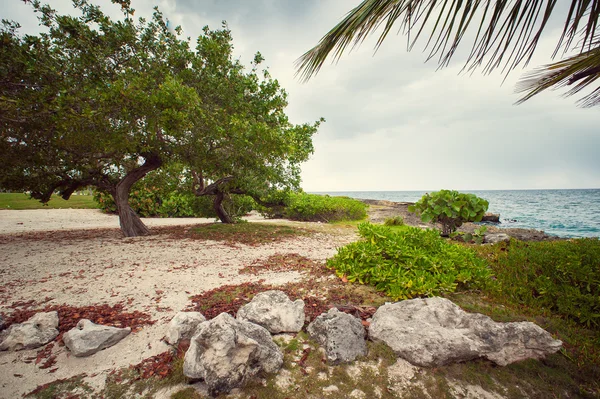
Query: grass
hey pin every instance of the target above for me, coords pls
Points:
(20, 201)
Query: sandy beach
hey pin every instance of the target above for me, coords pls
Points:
(79, 258)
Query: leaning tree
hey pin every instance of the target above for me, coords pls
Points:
(97, 102)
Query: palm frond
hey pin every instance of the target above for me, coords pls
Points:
(580, 70)
(507, 32)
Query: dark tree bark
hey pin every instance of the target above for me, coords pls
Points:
(220, 211)
(131, 224)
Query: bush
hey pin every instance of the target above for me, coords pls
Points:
(149, 202)
(395, 221)
(561, 276)
(450, 208)
(323, 208)
(145, 201)
(409, 263)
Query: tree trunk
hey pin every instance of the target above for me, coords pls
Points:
(131, 224)
(218, 207)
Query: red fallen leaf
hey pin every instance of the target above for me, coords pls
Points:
(365, 323)
(53, 370)
(344, 279)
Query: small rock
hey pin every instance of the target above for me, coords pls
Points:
(226, 353)
(342, 335)
(183, 326)
(491, 217)
(358, 394)
(274, 311)
(434, 331)
(87, 338)
(496, 238)
(331, 389)
(40, 329)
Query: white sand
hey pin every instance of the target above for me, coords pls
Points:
(88, 269)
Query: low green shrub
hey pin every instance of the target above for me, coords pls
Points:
(395, 221)
(450, 208)
(323, 208)
(150, 202)
(409, 263)
(561, 276)
(145, 201)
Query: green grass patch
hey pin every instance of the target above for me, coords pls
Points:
(20, 201)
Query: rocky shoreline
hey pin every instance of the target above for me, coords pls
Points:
(380, 210)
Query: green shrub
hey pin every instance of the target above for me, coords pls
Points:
(150, 202)
(395, 221)
(561, 276)
(323, 208)
(409, 263)
(450, 208)
(145, 201)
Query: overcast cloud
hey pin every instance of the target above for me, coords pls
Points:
(393, 122)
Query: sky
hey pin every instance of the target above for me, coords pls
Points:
(393, 120)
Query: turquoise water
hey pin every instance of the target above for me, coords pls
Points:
(564, 213)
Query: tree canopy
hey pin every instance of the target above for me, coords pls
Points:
(97, 102)
(504, 35)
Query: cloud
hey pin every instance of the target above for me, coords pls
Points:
(393, 121)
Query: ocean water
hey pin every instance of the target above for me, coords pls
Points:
(563, 213)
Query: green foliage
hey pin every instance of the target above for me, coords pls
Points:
(152, 202)
(395, 221)
(476, 237)
(323, 208)
(409, 263)
(99, 102)
(450, 208)
(561, 276)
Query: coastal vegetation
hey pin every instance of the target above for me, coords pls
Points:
(94, 102)
(409, 262)
(450, 208)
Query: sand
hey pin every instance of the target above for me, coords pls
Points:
(154, 274)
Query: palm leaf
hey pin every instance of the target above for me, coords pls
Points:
(506, 35)
(580, 70)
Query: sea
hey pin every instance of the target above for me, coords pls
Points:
(563, 213)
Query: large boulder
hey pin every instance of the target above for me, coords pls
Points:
(435, 331)
(274, 311)
(40, 329)
(491, 217)
(342, 335)
(183, 326)
(87, 338)
(226, 353)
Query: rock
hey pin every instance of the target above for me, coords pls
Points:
(87, 338)
(226, 353)
(496, 238)
(274, 311)
(40, 329)
(434, 332)
(491, 217)
(183, 326)
(341, 334)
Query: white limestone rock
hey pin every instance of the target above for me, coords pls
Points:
(274, 311)
(87, 338)
(40, 329)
